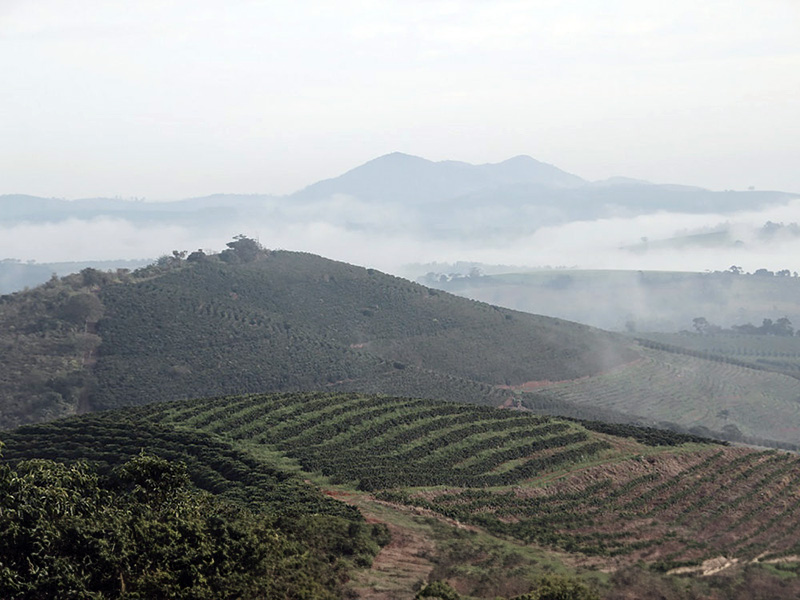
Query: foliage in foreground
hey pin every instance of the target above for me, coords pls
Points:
(143, 532)
(549, 587)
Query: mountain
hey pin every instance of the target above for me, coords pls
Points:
(441, 210)
(412, 180)
(16, 209)
(429, 190)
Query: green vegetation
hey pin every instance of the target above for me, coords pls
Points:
(619, 495)
(377, 442)
(206, 330)
(677, 389)
(142, 532)
(252, 320)
(47, 343)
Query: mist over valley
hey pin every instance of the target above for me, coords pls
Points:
(399, 210)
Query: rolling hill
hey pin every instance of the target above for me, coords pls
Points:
(277, 321)
(251, 320)
(588, 499)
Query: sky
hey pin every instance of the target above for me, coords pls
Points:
(174, 99)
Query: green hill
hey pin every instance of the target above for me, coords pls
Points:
(270, 321)
(586, 499)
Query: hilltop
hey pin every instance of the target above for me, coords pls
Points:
(399, 177)
(251, 320)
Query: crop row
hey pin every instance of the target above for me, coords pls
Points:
(108, 441)
(379, 442)
(733, 502)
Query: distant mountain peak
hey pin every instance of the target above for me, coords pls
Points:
(520, 159)
(396, 157)
(401, 177)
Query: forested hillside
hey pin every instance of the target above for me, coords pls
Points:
(251, 320)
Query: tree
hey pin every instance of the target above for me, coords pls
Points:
(701, 324)
(437, 590)
(197, 256)
(242, 250)
(143, 533)
(558, 587)
(80, 308)
(783, 327)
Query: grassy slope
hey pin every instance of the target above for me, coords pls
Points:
(599, 500)
(666, 388)
(780, 353)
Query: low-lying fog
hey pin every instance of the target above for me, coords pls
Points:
(390, 239)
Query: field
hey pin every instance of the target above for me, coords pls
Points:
(609, 496)
(679, 390)
(539, 479)
(779, 353)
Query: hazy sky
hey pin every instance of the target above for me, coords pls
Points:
(170, 99)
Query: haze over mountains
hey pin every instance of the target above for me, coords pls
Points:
(406, 209)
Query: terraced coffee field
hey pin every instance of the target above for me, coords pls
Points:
(781, 353)
(672, 509)
(618, 497)
(541, 480)
(375, 442)
(664, 387)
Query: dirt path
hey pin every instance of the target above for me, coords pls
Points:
(404, 562)
(399, 567)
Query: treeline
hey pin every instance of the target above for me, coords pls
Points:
(781, 327)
